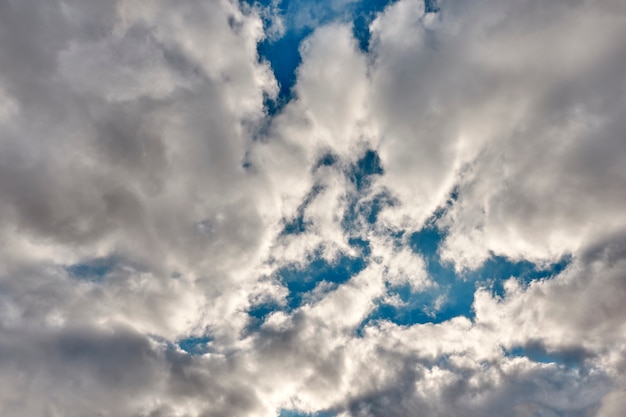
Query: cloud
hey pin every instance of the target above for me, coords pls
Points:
(478, 92)
(148, 196)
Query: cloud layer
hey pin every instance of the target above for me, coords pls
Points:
(170, 246)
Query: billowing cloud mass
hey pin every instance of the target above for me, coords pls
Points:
(425, 217)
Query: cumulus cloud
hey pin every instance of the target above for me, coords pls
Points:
(151, 201)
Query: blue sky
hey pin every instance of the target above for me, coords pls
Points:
(282, 51)
(293, 208)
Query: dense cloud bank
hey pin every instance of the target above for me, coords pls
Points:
(152, 209)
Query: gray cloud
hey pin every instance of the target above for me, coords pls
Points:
(134, 147)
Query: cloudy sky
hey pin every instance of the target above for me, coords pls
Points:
(337, 208)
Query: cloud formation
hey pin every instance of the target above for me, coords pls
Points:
(172, 246)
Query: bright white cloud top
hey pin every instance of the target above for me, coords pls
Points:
(431, 221)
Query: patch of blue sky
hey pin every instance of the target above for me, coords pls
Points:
(370, 210)
(361, 174)
(92, 270)
(195, 345)
(362, 245)
(298, 224)
(283, 54)
(366, 167)
(295, 413)
(431, 6)
(328, 159)
(300, 18)
(259, 312)
(496, 268)
(301, 281)
(433, 305)
(364, 13)
(453, 294)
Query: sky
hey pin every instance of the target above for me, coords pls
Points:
(290, 208)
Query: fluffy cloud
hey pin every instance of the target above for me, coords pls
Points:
(147, 197)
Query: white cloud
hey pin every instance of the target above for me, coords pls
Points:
(133, 135)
